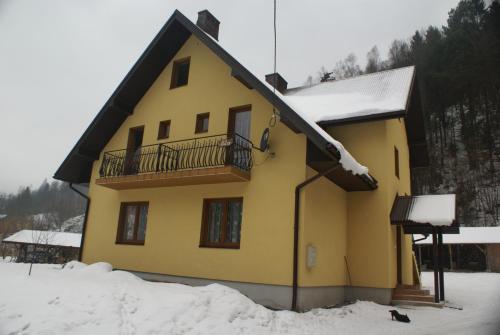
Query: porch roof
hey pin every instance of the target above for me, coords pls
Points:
(420, 214)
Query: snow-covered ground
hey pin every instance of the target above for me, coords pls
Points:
(94, 300)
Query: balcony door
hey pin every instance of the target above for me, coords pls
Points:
(238, 130)
(133, 155)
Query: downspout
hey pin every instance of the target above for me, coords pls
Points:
(80, 251)
(296, 220)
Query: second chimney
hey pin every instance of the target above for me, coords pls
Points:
(277, 81)
(208, 23)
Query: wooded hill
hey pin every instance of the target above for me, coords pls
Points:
(55, 198)
(458, 71)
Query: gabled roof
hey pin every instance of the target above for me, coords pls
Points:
(49, 238)
(385, 93)
(369, 97)
(77, 166)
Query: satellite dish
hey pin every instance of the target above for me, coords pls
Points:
(264, 140)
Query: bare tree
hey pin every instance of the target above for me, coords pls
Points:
(42, 236)
(374, 62)
(347, 68)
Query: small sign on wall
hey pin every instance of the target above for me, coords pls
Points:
(311, 256)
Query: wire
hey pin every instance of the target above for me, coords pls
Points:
(273, 120)
(274, 40)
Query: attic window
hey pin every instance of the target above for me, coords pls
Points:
(164, 130)
(180, 72)
(202, 123)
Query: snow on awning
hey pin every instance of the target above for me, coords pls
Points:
(434, 210)
(51, 238)
(468, 235)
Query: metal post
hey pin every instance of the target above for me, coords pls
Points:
(441, 261)
(450, 251)
(435, 264)
(420, 258)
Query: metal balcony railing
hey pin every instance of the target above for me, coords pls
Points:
(196, 153)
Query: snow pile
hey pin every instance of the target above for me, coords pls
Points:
(438, 210)
(370, 94)
(73, 225)
(468, 235)
(54, 238)
(93, 299)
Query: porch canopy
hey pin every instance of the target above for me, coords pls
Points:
(421, 214)
(428, 214)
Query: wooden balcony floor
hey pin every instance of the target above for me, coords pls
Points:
(213, 175)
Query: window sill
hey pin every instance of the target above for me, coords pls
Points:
(219, 246)
(130, 242)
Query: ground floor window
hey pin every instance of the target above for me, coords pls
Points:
(221, 223)
(132, 223)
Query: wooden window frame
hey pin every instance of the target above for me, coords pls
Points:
(396, 162)
(204, 225)
(162, 136)
(198, 129)
(121, 223)
(175, 73)
(232, 114)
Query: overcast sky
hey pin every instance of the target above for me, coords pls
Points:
(61, 59)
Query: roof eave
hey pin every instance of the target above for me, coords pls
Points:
(364, 118)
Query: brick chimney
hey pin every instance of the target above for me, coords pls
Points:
(277, 81)
(208, 23)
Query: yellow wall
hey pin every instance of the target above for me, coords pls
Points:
(324, 226)
(335, 222)
(371, 243)
(174, 218)
(396, 135)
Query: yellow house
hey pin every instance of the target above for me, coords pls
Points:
(199, 172)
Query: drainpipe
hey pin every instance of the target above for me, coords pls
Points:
(80, 251)
(296, 220)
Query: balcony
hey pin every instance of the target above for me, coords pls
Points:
(202, 160)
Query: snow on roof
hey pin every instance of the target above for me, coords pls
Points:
(468, 235)
(370, 94)
(53, 238)
(436, 209)
(347, 161)
(3, 216)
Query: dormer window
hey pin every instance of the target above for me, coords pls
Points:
(180, 72)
